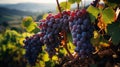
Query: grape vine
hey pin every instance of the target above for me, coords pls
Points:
(84, 25)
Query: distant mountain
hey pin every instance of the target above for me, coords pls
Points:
(7, 14)
(7, 11)
(10, 12)
(36, 7)
(31, 7)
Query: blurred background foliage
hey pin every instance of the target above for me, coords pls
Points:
(11, 46)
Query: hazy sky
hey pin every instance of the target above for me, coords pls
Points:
(34, 1)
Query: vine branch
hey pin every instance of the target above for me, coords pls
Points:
(65, 44)
(58, 5)
(78, 5)
(117, 12)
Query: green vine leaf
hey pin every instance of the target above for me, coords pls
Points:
(78, 1)
(36, 29)
(30, 25)
(108, 15)
(74, 1)
(97, 39)
(93, 13)
(115, 38)
(49, 64)
(114, 30)
(70, 44)
(71, 1)
(44, 16)
(27, 21)
(112, 3)
(45, 57)
(65, 6)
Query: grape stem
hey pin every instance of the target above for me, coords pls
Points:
(106, 52)
(71, 62)
(66, 4)
(117, 12)
(110, 39)
(58, 5)
(81, 4)
(78, 6)
(97, 3)
(65, 45)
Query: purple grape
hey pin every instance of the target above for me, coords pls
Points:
(78, 27)
(78, 30)
(83, 39)
(74, 27)
(74, 35)
(84, 46)
(86, 22)
(79, 43)
(49, 29)
(52, 19)
(84, 34)
(83, 27)
(50, 24)
(79, 36)
(79, 21)
(75, 40)
(54, 26)
(77, 49)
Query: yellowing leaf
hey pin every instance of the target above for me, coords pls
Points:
(93, 13)
(108, 15)
(65, 6)
(25, 34)
(78, 1)
(44, 16)
(71, 1)
(55, 58)
(96, 34)
(23, 51)
(70, 46)
(45, 57)
(10, 46)
(27, 21)
(42, 64)
(63, 51)
(104, 44)
(21, 41)
(29, 24)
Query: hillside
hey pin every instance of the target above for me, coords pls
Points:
(7, 14)
(31, 7)
(7, 11)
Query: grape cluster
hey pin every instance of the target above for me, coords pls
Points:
(52, 34)
(81, 30)
(94, 3)
(51, 28)
(33, 47)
